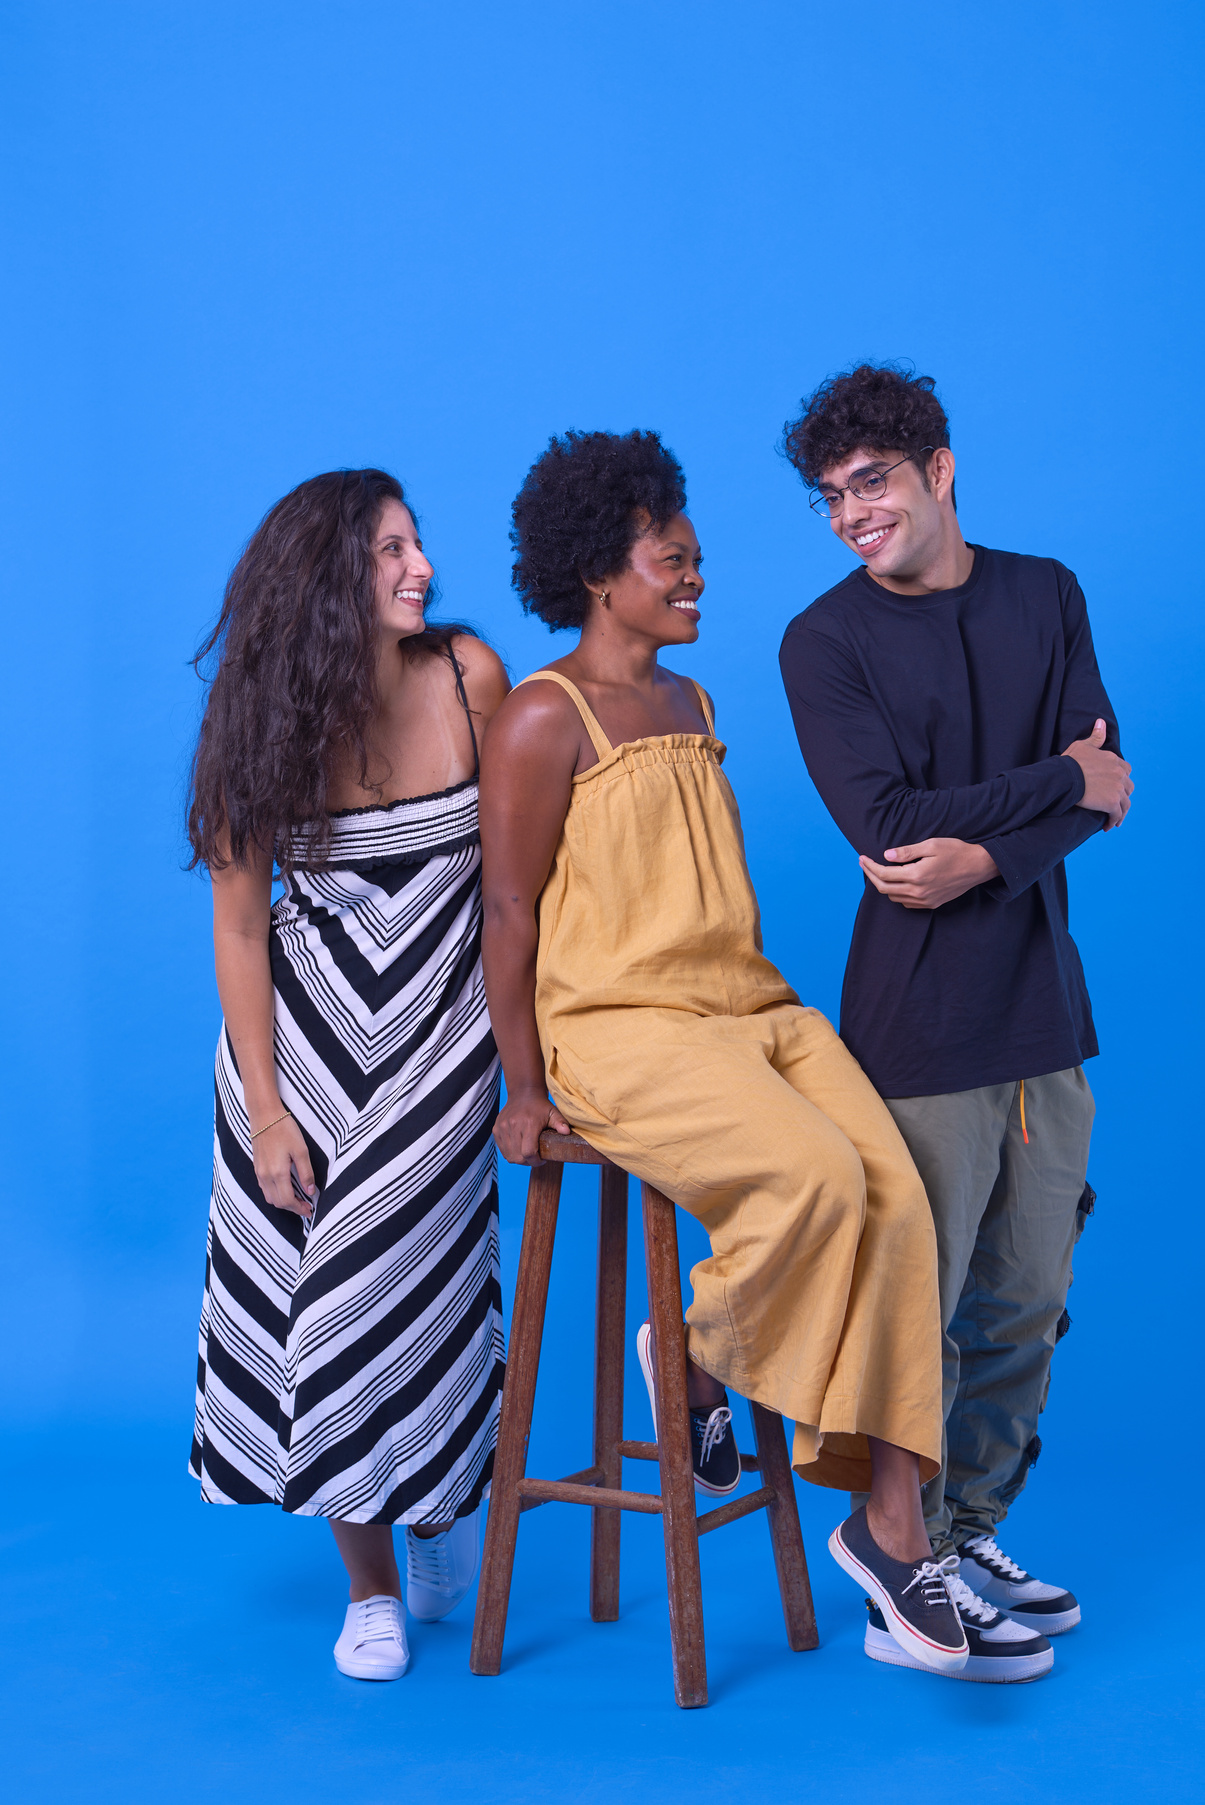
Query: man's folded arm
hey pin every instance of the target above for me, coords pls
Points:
(1024, 855)
(852, 760)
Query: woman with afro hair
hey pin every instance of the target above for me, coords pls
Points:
(625, 977)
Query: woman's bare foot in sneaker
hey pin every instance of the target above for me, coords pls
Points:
(883, 1546)
(714, 1454)
(373, 1644)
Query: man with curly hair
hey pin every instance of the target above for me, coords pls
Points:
(950, 711)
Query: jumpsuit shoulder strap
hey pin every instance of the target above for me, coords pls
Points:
(705, 705)
(602, 744)
(464, 703)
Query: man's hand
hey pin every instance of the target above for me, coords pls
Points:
(1107, 786)
(521, 1123)
(931, 873)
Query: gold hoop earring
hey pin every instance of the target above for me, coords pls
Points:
(605, 597)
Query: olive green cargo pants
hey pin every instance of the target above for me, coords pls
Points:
(1008, 1212)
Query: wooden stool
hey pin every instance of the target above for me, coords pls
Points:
(601, 1485)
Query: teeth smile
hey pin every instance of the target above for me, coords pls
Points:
(407, 595)
(869, 538)
(693, 606)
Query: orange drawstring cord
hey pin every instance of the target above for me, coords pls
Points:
(1024, 1130)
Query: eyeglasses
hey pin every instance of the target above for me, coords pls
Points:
(867, 485)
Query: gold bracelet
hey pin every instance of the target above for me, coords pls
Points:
(287, 1117)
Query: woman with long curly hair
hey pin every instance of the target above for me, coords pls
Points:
(351, 1338)
(626, 977)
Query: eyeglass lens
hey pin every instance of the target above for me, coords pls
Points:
(867, 487)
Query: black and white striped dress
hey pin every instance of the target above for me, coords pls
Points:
(354, 1371)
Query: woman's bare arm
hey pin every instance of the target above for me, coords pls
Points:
(241, 904)
(527, 766)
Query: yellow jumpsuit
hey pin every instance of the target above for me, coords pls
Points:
(675, 1047)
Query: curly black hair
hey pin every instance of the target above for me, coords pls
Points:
(576, 518)
(882, 407)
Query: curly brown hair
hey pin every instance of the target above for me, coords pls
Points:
(295, 686)
(879, 407)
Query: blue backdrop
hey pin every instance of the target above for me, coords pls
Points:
(256, 242)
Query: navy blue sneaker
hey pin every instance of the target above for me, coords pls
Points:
(717, 1460)
(913, 1597)
(714, 1453)
(1002, 1652)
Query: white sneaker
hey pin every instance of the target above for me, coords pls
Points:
(1000, 1650)
(373, 1643)
(440, 1569)
(1046, 1609)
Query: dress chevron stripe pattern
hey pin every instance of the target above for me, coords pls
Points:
(354, 1370)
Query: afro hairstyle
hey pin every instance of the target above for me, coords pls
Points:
(881, 407)
(576, 518)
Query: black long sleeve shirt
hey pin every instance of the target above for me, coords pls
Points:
(945, 716)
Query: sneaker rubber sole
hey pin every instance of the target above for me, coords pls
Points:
(364, 1670)
(927, 1653)
(999, 1670)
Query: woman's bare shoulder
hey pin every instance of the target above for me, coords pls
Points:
(485, 676)
(473, 654)
(535, 710)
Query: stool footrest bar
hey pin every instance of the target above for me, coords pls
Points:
(740, 1507)
(587, 1476)
(602, 1497)
(647, 1450)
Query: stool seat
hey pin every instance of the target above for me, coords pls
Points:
(600, 1486)
(570, 1150)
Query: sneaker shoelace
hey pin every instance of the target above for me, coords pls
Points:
(987, 1550)
(933, 1578)
(378, 1621)
(969, 1603)
(715, 1430)
(427, 1560)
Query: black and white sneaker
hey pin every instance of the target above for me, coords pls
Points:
(1001, 1651)
(714, 1453)
(717, 1459)
(987, 1570)
(913, 1597)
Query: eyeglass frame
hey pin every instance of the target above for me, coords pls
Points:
(848, 488)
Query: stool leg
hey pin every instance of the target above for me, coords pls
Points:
(608, 1387)
(673, 1446)
(518, 1398)
(786, 1536)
